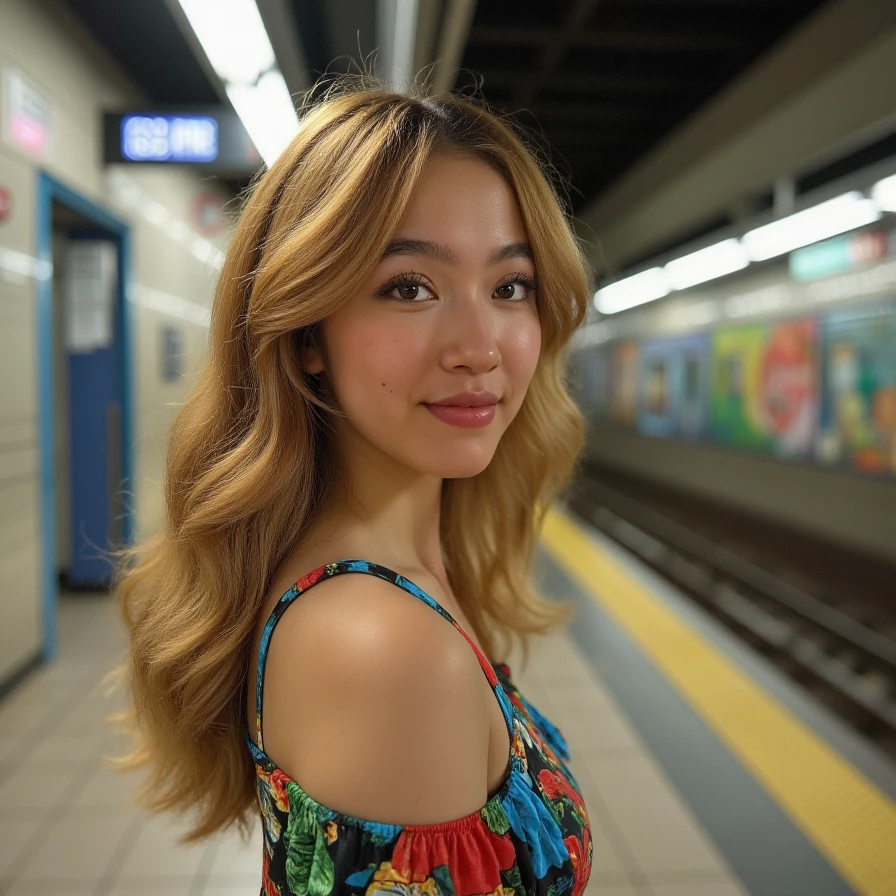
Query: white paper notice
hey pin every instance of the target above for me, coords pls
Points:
(90, 272)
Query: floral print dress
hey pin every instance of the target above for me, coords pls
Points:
(531, 837)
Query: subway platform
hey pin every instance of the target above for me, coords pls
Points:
(705, 772)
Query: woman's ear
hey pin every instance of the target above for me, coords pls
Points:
(310, 352)
(312, 360)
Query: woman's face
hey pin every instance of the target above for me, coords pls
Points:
(431, 358)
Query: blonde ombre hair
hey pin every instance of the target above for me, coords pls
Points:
(248, 462)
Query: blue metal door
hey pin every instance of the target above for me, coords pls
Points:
(95, 439)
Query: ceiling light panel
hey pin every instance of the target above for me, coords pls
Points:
(632, 291)
(884, 194)
(267, 113)
(233, 36)
(707, 264)
(838, 215)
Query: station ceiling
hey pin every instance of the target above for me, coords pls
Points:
(600, 82)
(606, 80)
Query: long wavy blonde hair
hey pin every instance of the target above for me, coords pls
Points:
(247, 459)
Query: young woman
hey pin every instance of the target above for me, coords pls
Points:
(367, 455)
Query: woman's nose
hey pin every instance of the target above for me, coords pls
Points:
(470, 339)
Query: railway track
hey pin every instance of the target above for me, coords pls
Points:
(839, 645)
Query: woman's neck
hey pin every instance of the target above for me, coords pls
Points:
(389, 510)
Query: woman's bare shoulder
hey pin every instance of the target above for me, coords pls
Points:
(360, 615)
(358, 671)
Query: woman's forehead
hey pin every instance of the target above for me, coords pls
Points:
(464, 204)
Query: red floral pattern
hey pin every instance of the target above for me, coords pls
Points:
(580, 854)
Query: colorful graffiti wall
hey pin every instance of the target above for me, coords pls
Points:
(819, 389)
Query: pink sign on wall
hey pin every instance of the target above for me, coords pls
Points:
(28, 122)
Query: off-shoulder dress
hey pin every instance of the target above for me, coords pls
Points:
(531, 837)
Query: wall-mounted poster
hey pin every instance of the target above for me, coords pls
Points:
(673, 386)
(765, 387)
(859, 412)
(624, 382)
(790, 385)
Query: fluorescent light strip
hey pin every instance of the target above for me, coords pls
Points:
(632, 291)
(130, 195)
(157, 214)
(234, 38)
(838, 215)
(707, 264)
(173, 306)
(884, 194)
(267, 113)
(19, 266)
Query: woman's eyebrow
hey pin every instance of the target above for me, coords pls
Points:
(513, 250)
(438, 252)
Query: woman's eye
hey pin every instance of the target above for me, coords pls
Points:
(515, 291)
(410, 292)
(508, 290)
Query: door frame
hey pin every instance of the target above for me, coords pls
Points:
(50, 190)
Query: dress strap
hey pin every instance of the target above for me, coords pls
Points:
(382, 572)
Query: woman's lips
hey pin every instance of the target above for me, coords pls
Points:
(463, 416)
(468, 409)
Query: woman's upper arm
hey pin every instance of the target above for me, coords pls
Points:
(373, 705)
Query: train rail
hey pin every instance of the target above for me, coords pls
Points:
(838, 642)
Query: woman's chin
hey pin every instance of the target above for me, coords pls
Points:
(463, 464)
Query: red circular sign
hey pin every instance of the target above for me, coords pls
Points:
(209, 214)
(5, 203)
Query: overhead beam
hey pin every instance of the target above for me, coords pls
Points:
(585, 140)
(283, 33)
(588, 113)
(351, 33)
(396, 28)
(664, 42)
(186, 29)
(588, 81)
(552, 52)
(455, 32)
(644, 41)
(825, 84)
(429, 21)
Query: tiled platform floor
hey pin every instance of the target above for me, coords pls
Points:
(64, 828)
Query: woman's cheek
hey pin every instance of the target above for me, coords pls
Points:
(375, 367)
(524, 351)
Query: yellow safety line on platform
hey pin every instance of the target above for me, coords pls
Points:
(850, 821)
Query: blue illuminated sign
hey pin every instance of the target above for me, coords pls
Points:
(169, 138)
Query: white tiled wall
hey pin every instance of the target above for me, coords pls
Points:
(41, 40)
